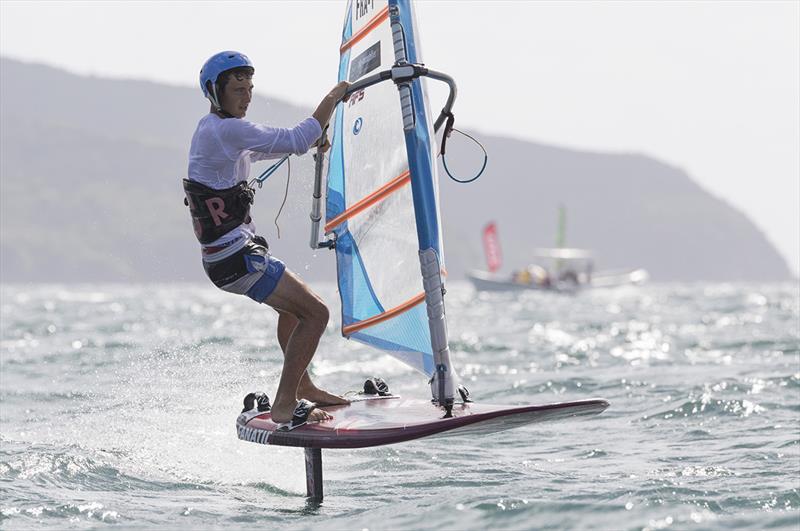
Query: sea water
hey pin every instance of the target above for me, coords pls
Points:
(118, 405)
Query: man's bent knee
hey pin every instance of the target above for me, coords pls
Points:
(319, 313)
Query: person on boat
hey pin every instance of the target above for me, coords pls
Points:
(540, 275)
(234, 257)
(523, 276)
(569, 276)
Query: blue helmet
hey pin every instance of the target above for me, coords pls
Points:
(217, 64)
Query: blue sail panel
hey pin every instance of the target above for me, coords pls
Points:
(403, 338)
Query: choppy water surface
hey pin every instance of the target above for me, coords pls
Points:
(118, 406)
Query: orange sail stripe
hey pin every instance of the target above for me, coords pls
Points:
(382, 15)
(397, 310)
(378, 195)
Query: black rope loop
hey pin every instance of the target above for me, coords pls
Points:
(447, 131)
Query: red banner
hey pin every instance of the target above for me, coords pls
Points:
(491, 247)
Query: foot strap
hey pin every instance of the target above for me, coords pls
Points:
(376, 386)
(256, 399)
(300, 415)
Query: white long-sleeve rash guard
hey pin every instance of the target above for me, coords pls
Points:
(221, 153)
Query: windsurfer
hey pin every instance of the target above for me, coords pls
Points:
(235, 258)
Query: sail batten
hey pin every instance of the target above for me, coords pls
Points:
(375, 197)
(388, 314)
(382, 15)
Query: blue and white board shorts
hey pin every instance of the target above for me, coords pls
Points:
(251, 271)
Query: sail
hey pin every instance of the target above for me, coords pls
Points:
(381, 201)
(491, 247)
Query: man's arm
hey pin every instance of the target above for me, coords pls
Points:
(328, 103)
(297, 140)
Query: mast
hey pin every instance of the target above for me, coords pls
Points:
(421, 167)
(561, 236)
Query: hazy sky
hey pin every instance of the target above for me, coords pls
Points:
(711, 87)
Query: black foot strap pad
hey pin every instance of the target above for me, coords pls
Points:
(300, 416)
(256, 399)
(376, 386)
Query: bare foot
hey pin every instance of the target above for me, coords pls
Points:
(319, 415)
(281, 414)
(320, 397)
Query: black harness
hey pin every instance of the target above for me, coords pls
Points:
(217, 212)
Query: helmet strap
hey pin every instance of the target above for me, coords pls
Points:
(212, 95)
